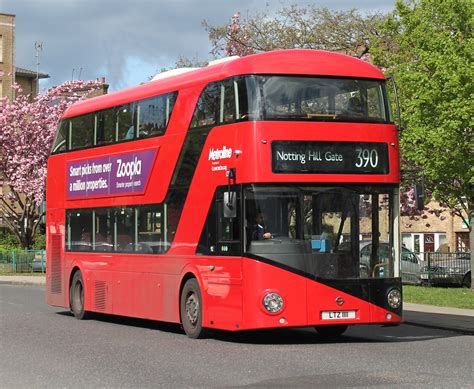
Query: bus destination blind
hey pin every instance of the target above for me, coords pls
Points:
(329, 157)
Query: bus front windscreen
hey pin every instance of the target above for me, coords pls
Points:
(320, 99)
(327, 232)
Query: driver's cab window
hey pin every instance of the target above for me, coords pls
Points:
(330, 220)
(271, 216)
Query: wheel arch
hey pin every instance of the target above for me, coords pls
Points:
(74, 269)
(187, 274)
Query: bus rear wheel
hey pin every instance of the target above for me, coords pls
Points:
(191, 310)
(331, 331)
(76, 297)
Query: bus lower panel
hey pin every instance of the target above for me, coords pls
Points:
(232, 293)
(305, 300)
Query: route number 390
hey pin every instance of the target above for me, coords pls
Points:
(366, 157)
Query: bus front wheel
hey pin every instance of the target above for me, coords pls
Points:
(191, 310)
(76, 297)
(331, 331)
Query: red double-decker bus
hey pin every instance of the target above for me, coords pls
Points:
(236, 196)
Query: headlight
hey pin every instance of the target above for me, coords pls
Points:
(394, 298)
(273, 302)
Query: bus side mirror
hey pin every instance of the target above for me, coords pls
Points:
(230, 204)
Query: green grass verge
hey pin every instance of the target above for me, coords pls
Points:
(442, 297)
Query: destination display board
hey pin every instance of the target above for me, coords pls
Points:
(119, 174)
(319, 157)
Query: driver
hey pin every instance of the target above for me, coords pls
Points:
(259, 231)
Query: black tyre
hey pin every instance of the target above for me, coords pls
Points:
(191, 310)
(76, 297)
(466, 281)
(333, 331)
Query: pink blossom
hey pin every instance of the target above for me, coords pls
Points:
(27, 131)
(238, 40)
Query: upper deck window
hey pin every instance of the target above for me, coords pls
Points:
(139, 119)
(60, 142)
(154, 114)
(222, 102)
(287, 98)
(81, 132)
(106, 126)
(126, 121)
(207, 109)
(322, 99)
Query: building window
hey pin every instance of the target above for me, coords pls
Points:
(407, 241)
(442, 244)
(422, 243)
(1, 49)
(462, 241)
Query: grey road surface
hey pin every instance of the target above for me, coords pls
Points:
(42, 346)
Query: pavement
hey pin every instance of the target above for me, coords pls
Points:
(430, 316)
(444, 318)
(23, 280)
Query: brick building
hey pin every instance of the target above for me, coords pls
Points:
(7, 53)
(438, 230)
(9, 72)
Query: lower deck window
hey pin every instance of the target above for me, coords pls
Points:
(79, 230)
(141, 229)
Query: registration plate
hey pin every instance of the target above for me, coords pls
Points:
(424, 276)
(338, 315)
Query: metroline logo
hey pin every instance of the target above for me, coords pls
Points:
(216, 154)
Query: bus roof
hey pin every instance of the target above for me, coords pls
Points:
(292, 62)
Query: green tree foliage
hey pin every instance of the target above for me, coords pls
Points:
(8, 241)
(310, 27)
(40, 242)
(431, 55)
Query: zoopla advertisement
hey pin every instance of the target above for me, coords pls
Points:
(118, 174)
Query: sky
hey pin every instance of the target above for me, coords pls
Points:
(128, 41)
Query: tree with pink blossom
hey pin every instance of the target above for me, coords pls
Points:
(27, 130)
(303, 27)
(238, 41)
